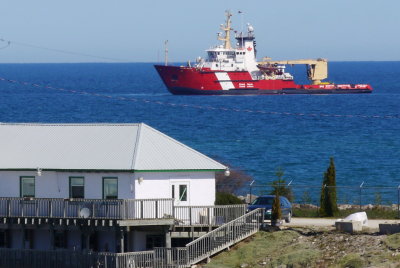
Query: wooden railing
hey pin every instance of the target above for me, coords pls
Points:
(87, 208)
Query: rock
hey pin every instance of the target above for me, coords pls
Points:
(244, 265)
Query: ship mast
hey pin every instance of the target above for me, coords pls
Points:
(166, 52)
(227, 29)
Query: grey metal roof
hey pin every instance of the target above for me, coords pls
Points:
(96, 147)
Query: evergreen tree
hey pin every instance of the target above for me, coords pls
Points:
(276, 214)
(279, 186)
(328, 203)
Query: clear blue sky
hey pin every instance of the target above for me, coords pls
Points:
(135, 31)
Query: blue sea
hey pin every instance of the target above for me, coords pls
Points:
(361, 132)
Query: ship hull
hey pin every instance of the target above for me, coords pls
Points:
(194, 81)
(192, 91)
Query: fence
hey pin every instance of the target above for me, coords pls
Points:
(360, 197)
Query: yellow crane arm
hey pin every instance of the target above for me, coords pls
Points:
(317, 70)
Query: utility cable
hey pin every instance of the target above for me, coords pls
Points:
(60, 50)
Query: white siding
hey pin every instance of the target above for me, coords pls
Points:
(158, 185)
(201, 189)
(56, 184)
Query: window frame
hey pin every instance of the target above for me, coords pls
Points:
(105, 178)
(20, 186)
(70, 186)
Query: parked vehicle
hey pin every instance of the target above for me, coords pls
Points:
(266, 201)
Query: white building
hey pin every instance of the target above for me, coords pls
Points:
(105, 187)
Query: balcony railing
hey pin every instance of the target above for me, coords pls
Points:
(208, 215)
(120, 209)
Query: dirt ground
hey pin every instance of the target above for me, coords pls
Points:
(316, 246)
(365, 249)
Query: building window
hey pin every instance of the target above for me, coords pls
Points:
(179, 192)
(110, 188)
(153, 241)
(27, 186)
(76, 187)
(183, 192)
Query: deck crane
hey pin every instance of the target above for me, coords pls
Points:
(317, 70)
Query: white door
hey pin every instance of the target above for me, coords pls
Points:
(180, 193)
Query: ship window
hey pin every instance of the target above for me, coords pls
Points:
(237, 53)
(218, 53)
(216, 65)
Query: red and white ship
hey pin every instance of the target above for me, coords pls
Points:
(235, 71)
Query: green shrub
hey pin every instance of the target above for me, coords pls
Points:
(226, 199)
(393, 241)
(351, 261)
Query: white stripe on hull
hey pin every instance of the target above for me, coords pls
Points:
(224, 81)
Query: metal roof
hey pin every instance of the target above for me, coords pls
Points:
(96, 147)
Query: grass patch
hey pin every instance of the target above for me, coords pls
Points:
(351, 261)
(392, 241)
(298, 258)
(267, 249)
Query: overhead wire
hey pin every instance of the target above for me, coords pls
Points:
(9, 42)
(201, 107)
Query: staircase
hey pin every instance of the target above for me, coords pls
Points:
(211, 243)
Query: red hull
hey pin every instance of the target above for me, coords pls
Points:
(193, 81)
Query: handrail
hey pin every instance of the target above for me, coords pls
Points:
(118, 209)
(207, 215)
(224, 236)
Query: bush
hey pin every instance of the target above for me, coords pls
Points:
(234, 183)
(226, 199)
